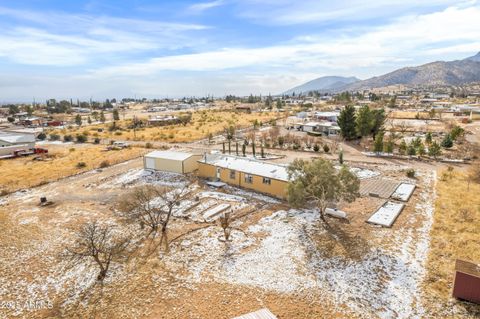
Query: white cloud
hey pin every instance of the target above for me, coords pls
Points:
(406, 38)
(65, 39)
(203, 6)
(284, 12)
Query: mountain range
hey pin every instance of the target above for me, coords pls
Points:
(439, 73)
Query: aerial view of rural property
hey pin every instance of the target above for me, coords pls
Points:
(240, 159)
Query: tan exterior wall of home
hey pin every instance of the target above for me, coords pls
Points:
(277, 188)
(191, 163)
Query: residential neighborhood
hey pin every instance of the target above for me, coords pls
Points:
(240, 160)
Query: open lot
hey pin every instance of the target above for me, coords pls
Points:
(61, 161)
(203, 123)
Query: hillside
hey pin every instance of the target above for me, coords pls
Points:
(438, 73)
(325, 83)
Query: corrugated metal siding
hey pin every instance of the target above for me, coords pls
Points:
(466, 287)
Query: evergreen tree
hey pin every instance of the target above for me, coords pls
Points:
(411, 150)
(102, 117)
(428, 138)
(346, 122)
(378, 119)
(78, 120)
(388, 146)
(378, 145)
(402, 149)
(421, 149)
(447, 141)
(364, 122)
(434, 149)
(116, 116)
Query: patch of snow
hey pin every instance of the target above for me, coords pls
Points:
(222, 196)
(215, 211)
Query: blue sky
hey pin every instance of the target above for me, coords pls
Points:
(100, 49)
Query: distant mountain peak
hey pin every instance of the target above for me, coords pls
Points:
(324, 83)
(475, 58)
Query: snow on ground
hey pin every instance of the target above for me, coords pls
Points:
(252, 195)
(279, 254)
(221, 196)
(362, 173)
(142, 176)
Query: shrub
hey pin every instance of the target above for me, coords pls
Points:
(411, 173)
(447, 142)
(42, 136)
(96, 140)
(148, 145)
(81, 138)
(316, 148)
(54, 137)
(104, 164)
(67, 138)
(81, 165)
(326, 148)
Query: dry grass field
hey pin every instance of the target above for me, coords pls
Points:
(455, 234)
(61, 161)
(408, 115)
(202, 124)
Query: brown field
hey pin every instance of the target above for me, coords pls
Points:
(61, 162)
(408, 115)
(455, 234)
(203, 123)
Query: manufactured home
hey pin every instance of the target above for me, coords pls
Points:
(256, 175)
(171, 161)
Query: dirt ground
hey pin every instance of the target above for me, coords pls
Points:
(278, 258)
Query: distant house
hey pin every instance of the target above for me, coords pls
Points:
(171, 161)
(163, 120)
(15, 139)
(267, 178)
(31, 121)
(11, 142)
(157, 109)
(327, 116)
(466, 284)
(243, 108)
(321, 128)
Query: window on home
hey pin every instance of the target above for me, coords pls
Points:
(267, 181)
(248, 178)
(232, 174)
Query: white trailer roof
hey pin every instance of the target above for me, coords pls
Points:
(248, 166)
(170, 155)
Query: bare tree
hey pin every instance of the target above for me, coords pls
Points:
(101, 244)
(152, 207)
(225, 221)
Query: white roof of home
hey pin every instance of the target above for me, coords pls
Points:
(170, 155)
(327, 114)
(248, 166)
(17, 138)
(311, 124)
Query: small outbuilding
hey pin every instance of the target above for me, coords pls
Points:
(171, 161)
(466, 284)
